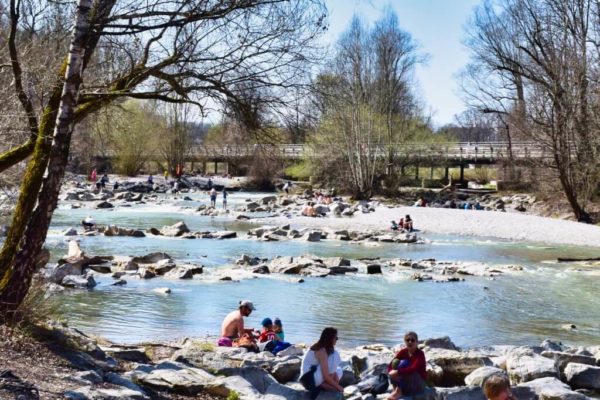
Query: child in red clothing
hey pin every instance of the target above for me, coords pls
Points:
(407, 369)
(267, 332)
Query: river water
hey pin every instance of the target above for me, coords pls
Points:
(521, 308)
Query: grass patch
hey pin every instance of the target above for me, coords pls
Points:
(300, 171)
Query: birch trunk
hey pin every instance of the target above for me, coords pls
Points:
(18, 273)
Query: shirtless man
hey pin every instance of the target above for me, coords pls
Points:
(233, 324)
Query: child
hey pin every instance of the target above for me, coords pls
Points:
(267, 333)
(497, 387)
(278, 329)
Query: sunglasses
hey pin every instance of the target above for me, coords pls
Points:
(410, 340)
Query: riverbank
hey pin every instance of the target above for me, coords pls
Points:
(64, 363)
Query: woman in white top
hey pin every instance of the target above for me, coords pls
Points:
(326, 359)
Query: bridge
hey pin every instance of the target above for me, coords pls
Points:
(447, 154)
(467, 152)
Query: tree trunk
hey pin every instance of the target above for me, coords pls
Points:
(17, 277)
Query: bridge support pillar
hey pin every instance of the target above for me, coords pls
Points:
(417, 172)
(216, 167)
(446, 173)
(462, 172)
(204, 168)
(431, 174)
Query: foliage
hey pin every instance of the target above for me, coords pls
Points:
(299, 171)
(233, 395)
(132, 131)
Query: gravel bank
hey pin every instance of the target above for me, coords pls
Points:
(502, 225)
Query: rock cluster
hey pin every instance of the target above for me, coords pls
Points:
(77, 269)
(281, 233)
(191, 367)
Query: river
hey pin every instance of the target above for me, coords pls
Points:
(520, 308)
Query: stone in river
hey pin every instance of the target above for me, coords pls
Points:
(151, 258)
(70, 232)
(78, 281)
(373, 269)
(175, 230)
(104, 204)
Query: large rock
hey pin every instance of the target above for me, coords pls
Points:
(455, 364)
(225, 235)
(281, 392)
(268, 199)
(477, 377)
(287, 370)
(78, 281)
(207, 356)
(104, 204)
(175, 230)
(443, 342)
(223, 387)
(459, 393)
(258, 377)
(312, 236)
(551, 389)
(582, 376)
(183, 272)
(561, 359)
(93, 393)
(523, 365)
(151, 258)
(58, 273)
(174, 377)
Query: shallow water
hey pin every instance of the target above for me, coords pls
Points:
(521, 308)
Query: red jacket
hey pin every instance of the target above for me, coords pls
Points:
(417, 363)
(267, 335)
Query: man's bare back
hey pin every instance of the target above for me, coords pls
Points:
(233, 325)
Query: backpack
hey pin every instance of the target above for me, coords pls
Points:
(381, 386)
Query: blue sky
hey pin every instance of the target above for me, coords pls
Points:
(438, 27)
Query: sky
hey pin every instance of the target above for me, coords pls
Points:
(438, 27)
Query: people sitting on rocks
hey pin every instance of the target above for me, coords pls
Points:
(497, 387)
(278, 328)
(88, 223)
(233, 332)
(116, 185)
(394, 226)
(309, 210)
(320, 369)
(150, 180)
(408, 223)
(407, 370)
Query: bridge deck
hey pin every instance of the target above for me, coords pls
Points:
(480, 152)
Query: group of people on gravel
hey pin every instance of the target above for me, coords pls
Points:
(403, 225)
(321, 365)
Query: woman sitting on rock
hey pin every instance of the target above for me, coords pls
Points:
(407, 369)
(320, 368)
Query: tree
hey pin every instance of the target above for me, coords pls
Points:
(176, 51)
(541, 57)
(366, 103)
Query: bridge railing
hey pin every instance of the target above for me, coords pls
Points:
(467, 151)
